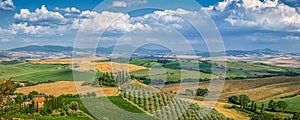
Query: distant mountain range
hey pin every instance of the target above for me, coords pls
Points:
(100, 50)
(142, 50)
(241, 53)
(46, 48)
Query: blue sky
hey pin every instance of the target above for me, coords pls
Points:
(243, 24)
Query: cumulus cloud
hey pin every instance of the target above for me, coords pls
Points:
(41, 16)
(120, 22)
(267, 14)
(119, 4)
(43, 21)
(33, 30)
(68, 9)
(7, 5)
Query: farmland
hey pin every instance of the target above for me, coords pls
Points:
(67, 87)
(234, 70)
(98, 66)
(253, 79)
(256, 88)
(36, 73)
(164, 106)
(292, 103)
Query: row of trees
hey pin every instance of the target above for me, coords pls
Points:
(199, 92)
(165, 106)
(273, 105)
(259, 108)
(110, 79)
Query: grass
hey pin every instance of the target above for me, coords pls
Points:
(114, 108)
(42, 73)
(235, 70)
(170, 75)
(36, 73)
(145, 63)
(123, 104)
(293, 103)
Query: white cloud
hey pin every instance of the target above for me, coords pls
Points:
(127, 3)
(7, 31)
(119, 22)
(267, 14)
(170, 18)
(7, 5)
(291, 37)
(119, 4)
(6, 34)
(24, 28)
(68, 10)
(40, 16)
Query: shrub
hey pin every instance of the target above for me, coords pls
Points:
(234, 99)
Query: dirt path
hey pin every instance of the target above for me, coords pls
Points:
(230, 112)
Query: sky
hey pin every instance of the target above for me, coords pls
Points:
(242, 24)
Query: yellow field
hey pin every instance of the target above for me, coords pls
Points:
(67, 87)
(96, 66)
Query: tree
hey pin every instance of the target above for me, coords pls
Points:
(74, 105)
(282, 105)
(272, 105)
(244, 100)
(262, 110)
(6, 88)
(255, 107)
(234, 99)
(32, 93)
(19, 99)
(252, 105)
(201, 92)
(296, 116)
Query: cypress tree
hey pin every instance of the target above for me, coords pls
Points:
(255, 107)
(252, 105)
(262, 108)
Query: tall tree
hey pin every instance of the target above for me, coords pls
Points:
(282, 105)
(272, 105)
(244, 100)
(262, 110)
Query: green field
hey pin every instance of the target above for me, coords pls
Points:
(171, 75)
(36, 73)
(191, 70)
(234, 70)
(293, 103)
(41, 73)
(114, 108)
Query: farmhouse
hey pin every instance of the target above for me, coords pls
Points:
(39, 101)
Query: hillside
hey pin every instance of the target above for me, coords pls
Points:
(46, 48)
(257, 89)
(148, 50)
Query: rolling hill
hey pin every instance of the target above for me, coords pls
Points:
(145, 50)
